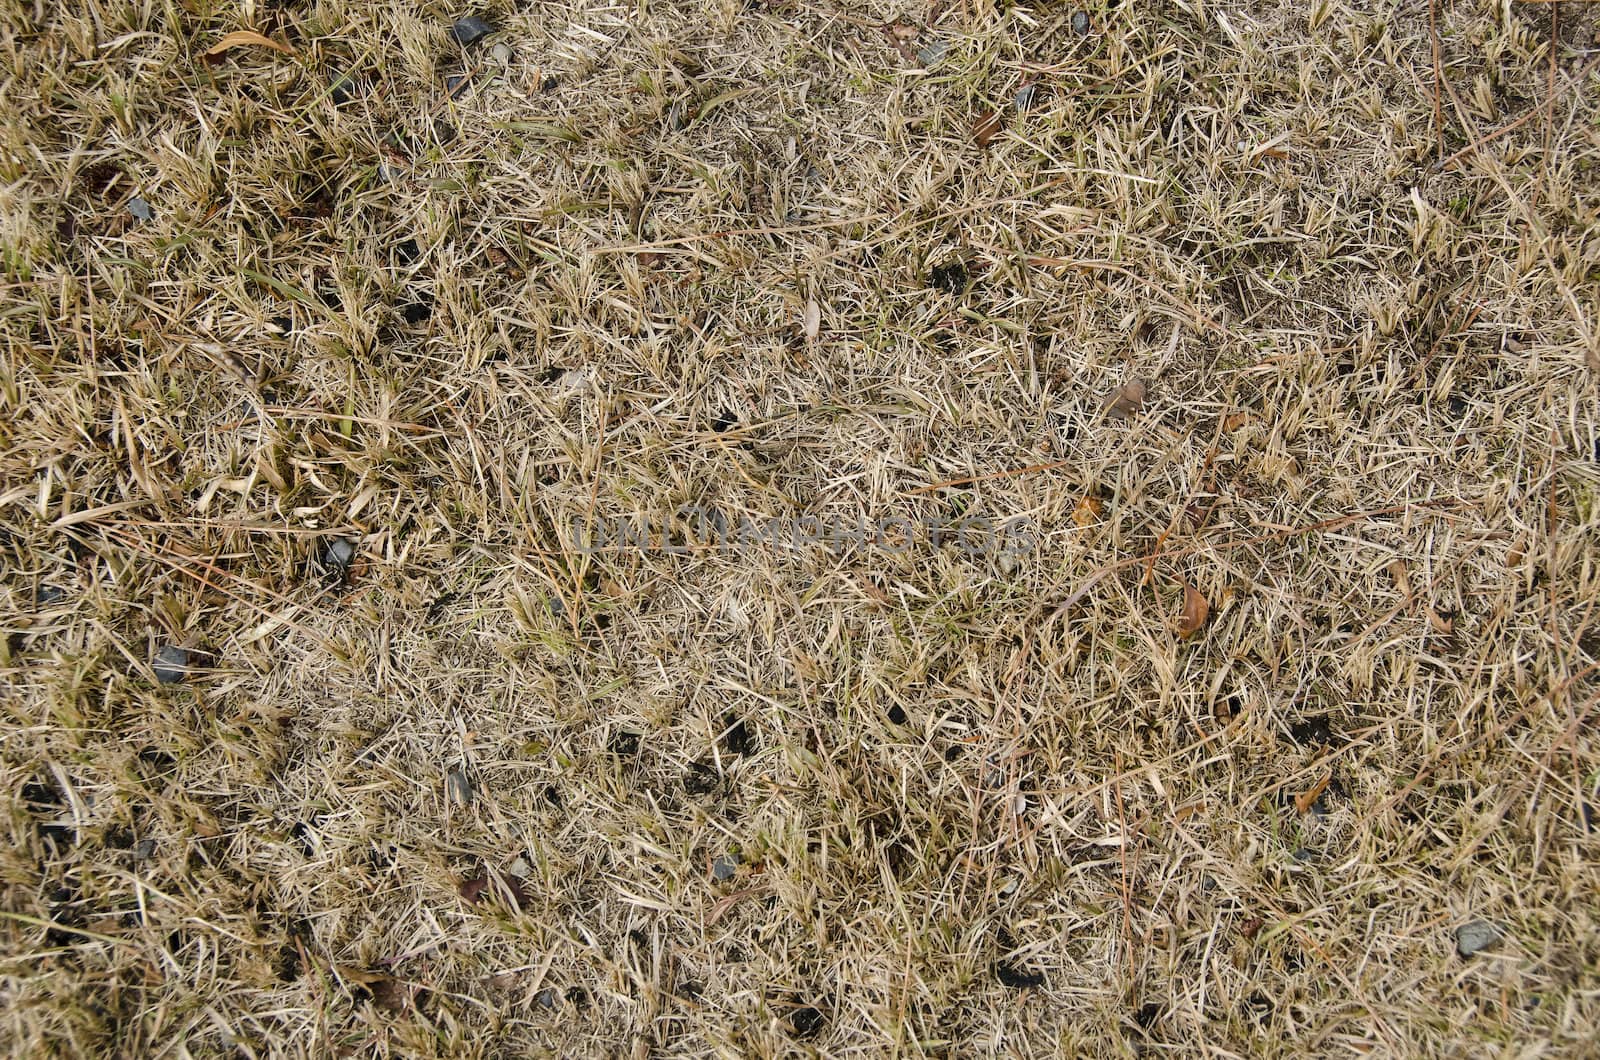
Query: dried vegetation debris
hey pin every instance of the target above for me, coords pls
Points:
(323, 327)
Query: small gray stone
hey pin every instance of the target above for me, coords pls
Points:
(1474, 936)
(501, 53)
(343, 88)
(140, 209)
(338, 556)
(171, 664)
(725, 868)
(458, 786)
(933, 53)
(1080, 23)
(145, 849)
(1026, 96)
(470, 30)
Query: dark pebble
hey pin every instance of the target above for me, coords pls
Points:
(897, 714)
(1311, 732)
(807, 1022)
(736, 736)
(457, 84)
(157, 760)
(140, 209)
(171, 664)
(1258, 1007)
(1014, 977)
(407, 251)
(701, 779)
(1080, 23)
(1026, 96)
(50, 594)
(342, 89)
(304, 838)
(39, 796)
(470, 30)
(950, 277)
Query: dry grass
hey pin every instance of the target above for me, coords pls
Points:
(1371, 332)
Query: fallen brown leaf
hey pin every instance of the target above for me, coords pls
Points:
(1442, 623)
(988, 125)
(1251, 927)
(242, 38)
(1235, 420)
(386, 991)
(390, 994)
(1306, 799)
(1087, 511)
(901, 36)
(509, 890)
(1124, 402)
(1195, 610)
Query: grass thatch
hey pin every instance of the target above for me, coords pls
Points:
(1279, 323)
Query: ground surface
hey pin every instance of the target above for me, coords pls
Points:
(321, 736)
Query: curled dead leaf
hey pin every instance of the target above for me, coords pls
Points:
(1402, 579)
(987, 127)
(1124, 402)
(1087, 511)
(1195, 610)
(1234, 421)
(242, 38)
(1308, 798)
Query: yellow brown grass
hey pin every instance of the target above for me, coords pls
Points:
(677, 254)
